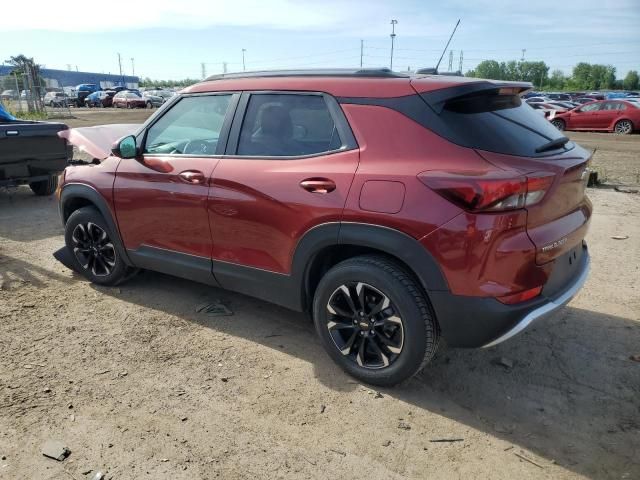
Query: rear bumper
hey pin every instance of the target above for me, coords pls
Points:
(473, 322)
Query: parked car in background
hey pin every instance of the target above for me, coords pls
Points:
(468, 225)
(9, 95)
(83, 91)
(537, 99)
(56, 99)
(129, 99)
(564, 105)
(103, 98)
(156, 100)
(619, 116)
(166, 94)
(559, 96)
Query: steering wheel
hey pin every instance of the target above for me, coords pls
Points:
(196, 147)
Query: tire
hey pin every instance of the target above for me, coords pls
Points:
(129, 105)
(92, 248)
(149, 105)
(623, 127)
(45, 187)
(409, 328)
(559, 124)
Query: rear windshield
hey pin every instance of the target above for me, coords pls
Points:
(496, 123)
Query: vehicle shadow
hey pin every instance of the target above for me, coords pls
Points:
(15, 272)
(572, 396)
(18, 204)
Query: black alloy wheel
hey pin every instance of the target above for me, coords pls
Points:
(93, 249)
(365, 325)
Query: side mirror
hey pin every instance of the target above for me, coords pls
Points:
(125, 147)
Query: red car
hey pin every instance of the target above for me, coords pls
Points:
(619, 116)
(126, 99)
(395, 209)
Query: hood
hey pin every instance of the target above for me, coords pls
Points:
(97, 141)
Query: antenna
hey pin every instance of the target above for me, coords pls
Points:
(447, 45)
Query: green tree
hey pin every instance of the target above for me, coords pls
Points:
(557, 80)
(631, 81)
(489, 69)
(534, 72)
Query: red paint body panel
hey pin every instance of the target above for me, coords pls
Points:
(155, 207)
(258, 210)
(99, 177)
(382, 196)
(486, 255)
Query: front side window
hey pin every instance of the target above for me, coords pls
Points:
(191, 127)
(591, 107)
(287, 125)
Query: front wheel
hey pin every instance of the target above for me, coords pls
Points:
(45, 187)
(92, 247)
(374, 320)
(623, 127)
(559, 124)
(149, 105)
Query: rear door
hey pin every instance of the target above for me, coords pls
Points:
(606, 116)
(289, 166)
(161, 198)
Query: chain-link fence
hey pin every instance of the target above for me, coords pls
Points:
(27, 97)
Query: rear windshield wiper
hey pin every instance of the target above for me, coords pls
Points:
(556, 143)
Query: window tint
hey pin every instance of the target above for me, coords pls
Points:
(613, 106)
(191, 127)
(287, 125)
(496, 123)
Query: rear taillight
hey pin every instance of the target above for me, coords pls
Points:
(489, 191)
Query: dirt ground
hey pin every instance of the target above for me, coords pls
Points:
(139, 385)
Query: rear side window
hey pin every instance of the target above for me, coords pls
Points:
(592, 107)
(287, 125)
(494, 122)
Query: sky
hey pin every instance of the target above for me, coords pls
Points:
(171, 39)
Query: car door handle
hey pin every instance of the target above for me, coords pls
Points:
(192, 176)
(318, 185)
(12, 133)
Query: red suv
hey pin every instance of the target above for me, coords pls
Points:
(396, 210)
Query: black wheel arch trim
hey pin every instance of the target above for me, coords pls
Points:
(73, 191)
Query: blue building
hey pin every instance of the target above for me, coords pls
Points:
(65, 78)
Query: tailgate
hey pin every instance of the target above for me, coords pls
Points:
(21, 141)
(560, 221)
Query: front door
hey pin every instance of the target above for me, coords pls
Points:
(161, 198)
(289, 167)
(585, 117)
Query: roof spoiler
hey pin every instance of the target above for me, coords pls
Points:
(436, 99)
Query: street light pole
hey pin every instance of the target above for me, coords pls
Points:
(393, 37)
(243, 64)
(133, 68)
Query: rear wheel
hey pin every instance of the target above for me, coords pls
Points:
(559, 123)
(45, 187)
(623, 127)
(129, 105)
(374, 320)
(92, 247)
(149, 105)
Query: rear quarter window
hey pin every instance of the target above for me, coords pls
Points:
(496, 123)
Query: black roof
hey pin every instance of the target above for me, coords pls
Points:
(321, 72)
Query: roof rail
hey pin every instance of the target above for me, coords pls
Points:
(335, 72)
(434, 71)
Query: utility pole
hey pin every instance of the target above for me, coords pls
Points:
(224, 67)
(133, 68)
(523, 52)
(120, 65)
(393, 37)
(69, 66)
(204, 70)
(244, 67)
(361, 51)
(460, 64)
(450, 60)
